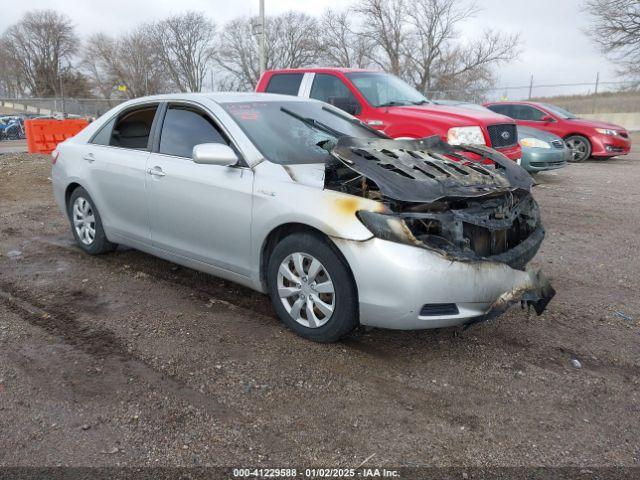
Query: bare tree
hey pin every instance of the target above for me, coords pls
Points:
(130, 61)
(185, 45)
(616, 30)
(340, 44)
(41, 43)
(291, 42)
(421, 43)
(384, 24)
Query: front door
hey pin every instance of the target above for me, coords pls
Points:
(201, 212)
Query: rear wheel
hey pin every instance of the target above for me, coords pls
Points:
(580, 147)
(86, 224)
(312, 289)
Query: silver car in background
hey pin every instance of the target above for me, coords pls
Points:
(340, 225)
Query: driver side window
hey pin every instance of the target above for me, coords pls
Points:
(184, 127)
(330, 89)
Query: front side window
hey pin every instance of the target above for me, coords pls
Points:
(330, 89)
(184, 127)
(131, 129)
(287, 132)
(384, 90)
(285, 83)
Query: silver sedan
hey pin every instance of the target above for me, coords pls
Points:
(340, 225)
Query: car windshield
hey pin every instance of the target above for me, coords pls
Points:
(560, 112)
(384, 90)
(294, 132)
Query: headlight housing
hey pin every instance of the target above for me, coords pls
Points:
(607, 131)
(465, 135)
(534, 143)
(386, 227)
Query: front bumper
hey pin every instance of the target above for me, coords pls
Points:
(541, 159)
(609, 146)
(395, 281)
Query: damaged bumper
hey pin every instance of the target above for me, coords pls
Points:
(408, 288)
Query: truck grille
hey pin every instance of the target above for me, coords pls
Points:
(503, 135)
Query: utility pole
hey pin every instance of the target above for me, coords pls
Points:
(530, 87)
(595, 93)
(64, 113)
(263, 65)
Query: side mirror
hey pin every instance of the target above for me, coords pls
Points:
(547, 119)
(214, 154)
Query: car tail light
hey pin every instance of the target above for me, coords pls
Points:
(54, 157)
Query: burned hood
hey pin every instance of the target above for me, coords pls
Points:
(428, 169)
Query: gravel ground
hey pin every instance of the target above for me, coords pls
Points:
(125, 359)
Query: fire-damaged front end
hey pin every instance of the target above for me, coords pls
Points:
(455, 235)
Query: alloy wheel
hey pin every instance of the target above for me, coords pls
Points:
(84, 220)
(306, 290)
(578, 149)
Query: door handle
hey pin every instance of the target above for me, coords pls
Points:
(89, 158)
(156, 172)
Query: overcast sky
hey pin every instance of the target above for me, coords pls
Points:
(554, 47)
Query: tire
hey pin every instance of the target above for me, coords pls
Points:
(85, 218)
(307, 295)
(580, 147)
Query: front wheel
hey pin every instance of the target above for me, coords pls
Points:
(86, 224)
(580, 147)
(312, 288)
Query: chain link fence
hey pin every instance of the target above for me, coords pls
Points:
(592, 97)
(597, 96)
(74, 107)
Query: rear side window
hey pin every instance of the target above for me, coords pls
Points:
(103, 137)
(502, 109)
(184, 127)
(131, 129)
(285, 83)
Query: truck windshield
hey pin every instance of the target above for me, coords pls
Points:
(384, 90)
(294, 132)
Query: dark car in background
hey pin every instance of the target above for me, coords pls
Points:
(585, 138)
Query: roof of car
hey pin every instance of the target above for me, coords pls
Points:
(225, 97)
(321, 70)
(515, 102)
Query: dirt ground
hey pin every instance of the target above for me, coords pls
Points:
(125, 359)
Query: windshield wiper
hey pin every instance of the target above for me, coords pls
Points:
(313, 123)
(392, 103)
(421, 102)
(356, 122)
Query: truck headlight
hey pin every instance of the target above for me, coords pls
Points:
(606, 131)
(534, 143)
(465, 135)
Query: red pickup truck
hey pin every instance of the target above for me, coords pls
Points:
(387, 103)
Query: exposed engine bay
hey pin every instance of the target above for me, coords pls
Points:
(439, 198)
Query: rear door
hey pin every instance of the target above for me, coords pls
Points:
(116, 159)
(201, 212)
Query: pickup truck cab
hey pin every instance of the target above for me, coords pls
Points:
(387, 103)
